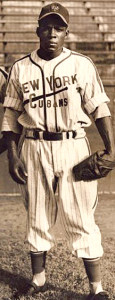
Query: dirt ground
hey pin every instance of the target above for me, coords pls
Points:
(65, 274)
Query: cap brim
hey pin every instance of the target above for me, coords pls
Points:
(53, 13)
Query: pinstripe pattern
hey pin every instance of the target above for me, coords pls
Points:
(60, 62)
(75, 203)
(44, 94)
(97, 74)
(11, 118)
(52, 95)
(48, 94)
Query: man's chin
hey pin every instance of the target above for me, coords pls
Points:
(51, 49)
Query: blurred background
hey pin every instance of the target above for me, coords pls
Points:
(92, 33)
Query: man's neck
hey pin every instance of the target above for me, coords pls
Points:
(48, 55)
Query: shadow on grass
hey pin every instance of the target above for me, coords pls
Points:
(12, 279)
(17, 283)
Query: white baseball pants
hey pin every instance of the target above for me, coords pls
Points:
(46, 161)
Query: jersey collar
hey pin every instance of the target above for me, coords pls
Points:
(34, 56)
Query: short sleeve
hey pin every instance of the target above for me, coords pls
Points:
(101, 112)
(14, 96)
(94, 94)
(10, 121)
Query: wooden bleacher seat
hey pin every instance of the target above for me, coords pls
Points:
(102, 12)
(99, 4)
(91, 28)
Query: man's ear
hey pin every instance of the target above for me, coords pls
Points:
(37, 31)
(67, 32)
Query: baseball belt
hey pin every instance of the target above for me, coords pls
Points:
(49, 136)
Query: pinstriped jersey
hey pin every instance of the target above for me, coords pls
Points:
(3, 78)
(54, 95)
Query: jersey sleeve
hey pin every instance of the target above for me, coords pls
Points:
(14, 96)
(10, 121)
(94, 94)
(13, 103)
(3, 84)
(101, 112)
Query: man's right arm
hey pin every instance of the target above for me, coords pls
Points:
(16, 166)
(11, 129)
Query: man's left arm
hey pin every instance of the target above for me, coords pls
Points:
(100, 163)
(95, 100)
(104, 126)
(96, 104)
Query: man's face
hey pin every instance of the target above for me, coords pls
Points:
(52, 32)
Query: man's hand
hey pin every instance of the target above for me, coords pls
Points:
(109, 156)
(17, 170)
(95, 166)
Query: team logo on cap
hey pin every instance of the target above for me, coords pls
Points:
(54, 7)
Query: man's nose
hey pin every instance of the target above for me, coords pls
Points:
(52, 32)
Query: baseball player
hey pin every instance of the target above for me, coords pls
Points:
(3, 81)
(50, 97)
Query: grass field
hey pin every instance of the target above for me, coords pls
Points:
(65, 274)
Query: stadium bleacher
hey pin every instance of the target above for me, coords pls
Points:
(91, 32)
(91, 29)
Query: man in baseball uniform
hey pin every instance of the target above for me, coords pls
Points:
(3, 82)
(50, 95)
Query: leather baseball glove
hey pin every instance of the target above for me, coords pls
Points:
(93, 167)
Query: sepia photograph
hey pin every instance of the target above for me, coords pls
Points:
(57, 150)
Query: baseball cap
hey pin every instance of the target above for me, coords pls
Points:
(57, 9)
